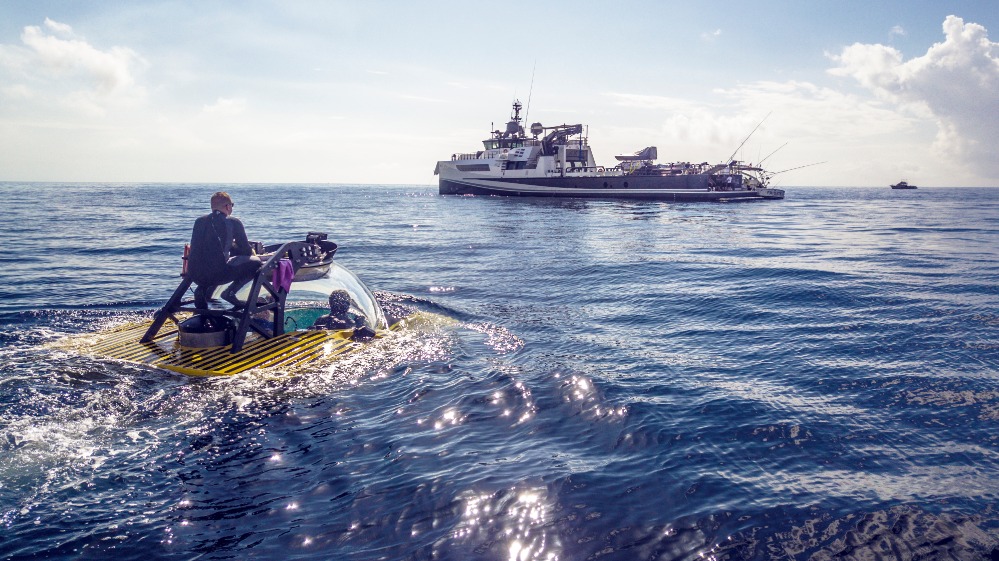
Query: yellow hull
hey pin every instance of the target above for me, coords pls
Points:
(285, 351)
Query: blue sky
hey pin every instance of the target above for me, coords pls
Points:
(377, 91)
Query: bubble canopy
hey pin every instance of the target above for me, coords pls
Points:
(318, 287)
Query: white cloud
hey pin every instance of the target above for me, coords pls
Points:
(16, 91)
(225, 106)
(60, 28)
(897, 30)
(866, 141)
(799, 111)
(955, 81)
(56, 68)
(654, 102)
(109, 70)
(711, 35)
(77, 109)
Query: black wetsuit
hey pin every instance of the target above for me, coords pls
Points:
(220, 253)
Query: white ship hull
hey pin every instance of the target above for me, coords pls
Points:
(561, 164)
(668, 188)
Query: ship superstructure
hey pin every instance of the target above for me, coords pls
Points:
(559, 162)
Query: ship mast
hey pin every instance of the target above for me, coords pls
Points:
(513, 128)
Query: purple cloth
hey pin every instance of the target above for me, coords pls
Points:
(282, 275)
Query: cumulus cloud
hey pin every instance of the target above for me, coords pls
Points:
(798, 110)
(57, 66)
(60, 28)
(955, 82)
(109, 70)
(800, 123)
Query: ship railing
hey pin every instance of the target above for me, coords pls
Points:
(599, 170)
(474, 156)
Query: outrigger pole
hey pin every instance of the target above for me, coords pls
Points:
(760, 163)
(799, 167)
(747, 138)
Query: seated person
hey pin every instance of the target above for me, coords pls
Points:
(220, 253)
(338, 318)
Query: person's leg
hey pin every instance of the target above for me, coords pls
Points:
(242, 269)
(202, 293)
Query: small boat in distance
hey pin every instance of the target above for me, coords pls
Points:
(558, 162)
(903, 185)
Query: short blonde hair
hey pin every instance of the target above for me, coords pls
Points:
(220, 199)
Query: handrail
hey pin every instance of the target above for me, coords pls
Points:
(298, 252)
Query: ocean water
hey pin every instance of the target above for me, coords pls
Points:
(813, 378)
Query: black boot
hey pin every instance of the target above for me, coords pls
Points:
(201, 296)
(229, 295)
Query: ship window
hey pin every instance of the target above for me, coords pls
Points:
(472, 167)
(490, 144)
(625, 184)
(508, 143)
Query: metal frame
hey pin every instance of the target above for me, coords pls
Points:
(299, 253)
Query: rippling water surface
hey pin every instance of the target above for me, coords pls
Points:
(813, 378)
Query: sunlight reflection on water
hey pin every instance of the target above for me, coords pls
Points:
(521, 518)
(609, 381)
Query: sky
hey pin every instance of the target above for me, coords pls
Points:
(840, 93)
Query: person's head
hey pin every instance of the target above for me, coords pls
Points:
(222, 202)
(339, 303)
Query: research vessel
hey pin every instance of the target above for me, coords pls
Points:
(559, 162)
